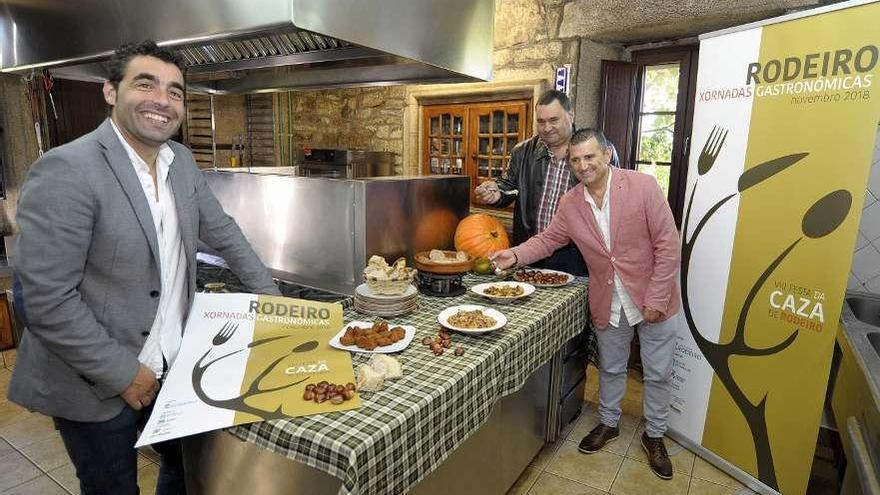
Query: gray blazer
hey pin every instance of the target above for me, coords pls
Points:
(88, 261)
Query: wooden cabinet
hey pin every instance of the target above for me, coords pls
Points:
(6, 339)
(473, 139)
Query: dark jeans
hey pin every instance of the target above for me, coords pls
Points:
(105, 458)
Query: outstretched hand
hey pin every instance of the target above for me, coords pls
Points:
(487, 192)
(504, 259)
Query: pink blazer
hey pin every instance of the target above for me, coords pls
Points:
(645, 247)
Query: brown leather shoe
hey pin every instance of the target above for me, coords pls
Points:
(597, 439)
(657, 456)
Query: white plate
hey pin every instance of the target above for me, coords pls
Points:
(500, 319)
(545, 270)
(385, 302)
(386, 307)
(409, 333)
(384, 313)
(480, 290)
(363, 290)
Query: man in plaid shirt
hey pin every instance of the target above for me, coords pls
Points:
(537, 176)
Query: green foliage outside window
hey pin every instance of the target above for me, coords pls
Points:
(657, 121)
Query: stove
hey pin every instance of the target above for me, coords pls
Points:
(211, 273)
(441, 285)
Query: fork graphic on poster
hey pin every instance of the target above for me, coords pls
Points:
(239, 404)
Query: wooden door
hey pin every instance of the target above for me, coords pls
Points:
(618, 94)
(7, 341)
(80, 107)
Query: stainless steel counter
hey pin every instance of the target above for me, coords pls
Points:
(863, 336)
(320, 232)
(856, 393)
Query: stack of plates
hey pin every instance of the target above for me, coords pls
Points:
(370, 303)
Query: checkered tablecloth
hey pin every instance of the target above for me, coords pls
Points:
(401, 434)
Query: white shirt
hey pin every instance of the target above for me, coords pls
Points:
(166, 332)
(620, 298)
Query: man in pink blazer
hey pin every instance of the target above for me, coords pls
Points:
(623, 227)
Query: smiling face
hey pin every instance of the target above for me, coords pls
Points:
(554, 123)
(589, 162)
(148, 102)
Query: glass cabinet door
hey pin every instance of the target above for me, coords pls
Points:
(497, 128)
(445, 132)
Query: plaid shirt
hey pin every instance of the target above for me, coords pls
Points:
(557, 181)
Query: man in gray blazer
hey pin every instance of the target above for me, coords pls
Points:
(109, 225)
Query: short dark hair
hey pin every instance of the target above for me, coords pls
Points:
(585, 134)
(554, 95)
(123, 55)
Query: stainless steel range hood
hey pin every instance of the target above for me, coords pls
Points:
(242, 46)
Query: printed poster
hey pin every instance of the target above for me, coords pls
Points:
(247, 358)
(785, 126)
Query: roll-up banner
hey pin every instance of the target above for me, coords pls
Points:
(785, 122)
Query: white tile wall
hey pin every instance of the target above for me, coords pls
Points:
(873, 285)
(869, 229)
(861, 241)
(866, 263)
(865, 271)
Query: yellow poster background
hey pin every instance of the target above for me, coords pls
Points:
(839, 138)
(290, 352)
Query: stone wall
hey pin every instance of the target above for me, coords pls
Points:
(229, 124)
(316, 118)
(360, 118)
(626, 21)
(528, 44)
(372, 119)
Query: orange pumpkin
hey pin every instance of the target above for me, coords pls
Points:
(479, 235)
(436, 230)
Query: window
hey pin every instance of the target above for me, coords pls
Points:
(646, 111)
(473, 139)
(656, 118)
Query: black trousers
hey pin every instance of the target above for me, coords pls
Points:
(105, 459)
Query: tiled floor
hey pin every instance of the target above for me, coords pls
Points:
(32, 456)
(621, 466)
